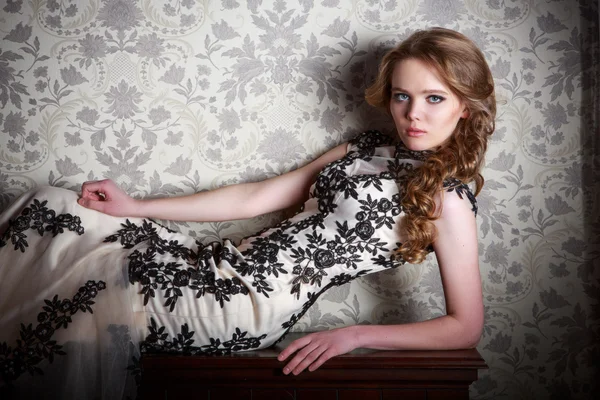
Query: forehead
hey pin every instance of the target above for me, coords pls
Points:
(415, 73)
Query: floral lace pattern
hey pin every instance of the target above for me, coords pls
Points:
(36, 344)
(313, 297)
(171, 277)
(41, 219)
(158, 341)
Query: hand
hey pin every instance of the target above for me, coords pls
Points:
(316, 348)
(105, 196)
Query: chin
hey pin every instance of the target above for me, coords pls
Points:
(415, 144)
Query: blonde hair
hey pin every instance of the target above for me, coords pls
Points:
(462, 68)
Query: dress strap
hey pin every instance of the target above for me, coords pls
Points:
(461, 189)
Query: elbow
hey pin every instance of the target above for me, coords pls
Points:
(468, 338)
(472, 333)
(472, 340)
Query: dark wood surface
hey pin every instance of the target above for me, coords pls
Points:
(361, 375)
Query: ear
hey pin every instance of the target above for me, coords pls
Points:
(465, 113)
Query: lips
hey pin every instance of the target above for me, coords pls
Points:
(414, 132)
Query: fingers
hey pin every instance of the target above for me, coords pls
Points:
(305, 358)
(326, 355)
(314, 349)
(93, 189)
(293, 347)
(105, 196)
(92, 204)
(94, 194)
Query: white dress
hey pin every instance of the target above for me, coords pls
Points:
(83, 293)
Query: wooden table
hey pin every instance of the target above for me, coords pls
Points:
(360, 375)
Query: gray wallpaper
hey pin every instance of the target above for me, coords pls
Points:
(174, 96)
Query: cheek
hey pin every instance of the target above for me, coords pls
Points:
(397, 110)
(394, 112)
(448, 115)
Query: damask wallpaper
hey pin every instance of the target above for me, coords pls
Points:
(169, 97)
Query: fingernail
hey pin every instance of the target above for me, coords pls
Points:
(286, 371)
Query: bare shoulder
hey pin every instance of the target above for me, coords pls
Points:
(457, 204)
(458, 194)
(453, 201)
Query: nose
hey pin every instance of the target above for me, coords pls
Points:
(413, 111)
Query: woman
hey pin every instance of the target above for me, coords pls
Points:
(368, 205)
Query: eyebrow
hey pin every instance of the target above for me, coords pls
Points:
(427, 91)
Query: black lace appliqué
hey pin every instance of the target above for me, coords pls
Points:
(399, 169)
(369, 140)
(352, 240)
(403, 153)
(337, 280)
(262, 259)
(42, 219)
(453, 184)
(158, 341)
(36, 344)
(171, 277)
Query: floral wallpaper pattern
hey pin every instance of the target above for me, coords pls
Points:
(169, 97)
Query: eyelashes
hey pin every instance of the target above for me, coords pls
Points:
(400, 96)
(433, 99)
(438, 99)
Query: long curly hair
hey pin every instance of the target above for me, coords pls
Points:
(462, 68)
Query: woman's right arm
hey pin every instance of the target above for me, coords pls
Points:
(239, 201)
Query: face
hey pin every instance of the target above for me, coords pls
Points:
(424, 109)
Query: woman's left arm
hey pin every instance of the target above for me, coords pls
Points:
(457, 256)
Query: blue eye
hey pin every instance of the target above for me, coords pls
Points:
(435, 99)
(401, 97)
